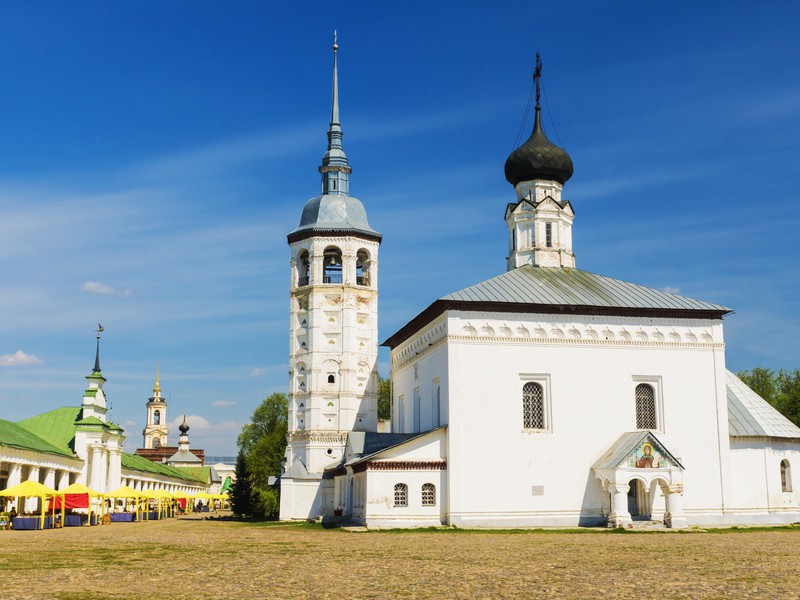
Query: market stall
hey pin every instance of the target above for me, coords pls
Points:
(31, 489)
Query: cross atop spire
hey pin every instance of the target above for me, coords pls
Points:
(335, 168)
(537, 75)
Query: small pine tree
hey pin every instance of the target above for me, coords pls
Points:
(242, 489)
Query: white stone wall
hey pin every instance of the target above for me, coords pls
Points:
(756, 481)
(374, 502)
(590, 367)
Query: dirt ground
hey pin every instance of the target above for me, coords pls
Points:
(222, 559)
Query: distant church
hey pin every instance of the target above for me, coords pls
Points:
(544, 396)
(156, 441)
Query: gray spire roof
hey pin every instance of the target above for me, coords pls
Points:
(335, 211)
(335, 154)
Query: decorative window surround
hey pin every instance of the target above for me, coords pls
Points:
(536, 417)
(655, 383)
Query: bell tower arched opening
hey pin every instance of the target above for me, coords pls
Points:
(303, 268)
(332, 265)
(362, 268)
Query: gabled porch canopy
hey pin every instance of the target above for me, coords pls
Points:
(639, 455)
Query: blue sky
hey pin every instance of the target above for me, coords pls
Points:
(154, 156)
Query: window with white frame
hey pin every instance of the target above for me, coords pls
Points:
(786, 476)
(428, 494)
(533, 406)
(646, 410)
(400, 494)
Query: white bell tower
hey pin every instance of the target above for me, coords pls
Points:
(333, 331)
(156, 430)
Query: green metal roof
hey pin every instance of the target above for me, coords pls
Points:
(15, 435)
(201, 473)
(56, 426)
(573, 287)
(135, 462)
(90, 421)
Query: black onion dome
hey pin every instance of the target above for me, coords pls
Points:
(183, 427)
(538, 158)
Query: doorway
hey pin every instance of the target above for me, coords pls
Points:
(638, 501)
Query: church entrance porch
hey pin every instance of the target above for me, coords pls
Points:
(642, 481)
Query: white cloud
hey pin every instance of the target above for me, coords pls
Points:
(19, 358)
(95, 287)
(195, 423)
(129, 423)
(671, 290)
(223, 403)
(257, 372)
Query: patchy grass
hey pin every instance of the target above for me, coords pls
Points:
(233, 559)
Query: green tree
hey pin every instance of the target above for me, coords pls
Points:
(761, 381)
(781, 389)
(789, 394)
(242, 489)
(384, 398)
(262, 443)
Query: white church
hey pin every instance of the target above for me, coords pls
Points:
(544, 396)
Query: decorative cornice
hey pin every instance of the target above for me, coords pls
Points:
(400, 465)
(439, 307)
(332, 437)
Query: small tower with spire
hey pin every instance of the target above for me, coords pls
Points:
(183, 457)
(156, 430)
(333, 388)
(539, 222)
(94, 398)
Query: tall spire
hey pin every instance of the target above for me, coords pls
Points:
(157, 389)
(335, 169)
(99, 330)
(335, 100)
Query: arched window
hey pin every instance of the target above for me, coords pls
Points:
(532, 406)
(362, 267)
(303, 268)
(156, 442)
(332, 265)
(428, 494)
(157, 417)
(786, 476)
(331, 378)
(645, 406)
(400, 494)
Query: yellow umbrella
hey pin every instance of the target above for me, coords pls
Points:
(31, 489)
